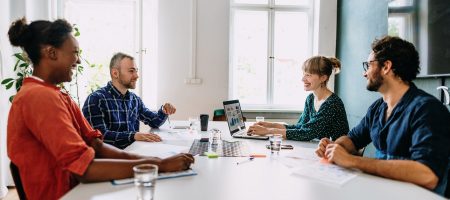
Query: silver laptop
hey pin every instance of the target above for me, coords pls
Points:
(235, 120)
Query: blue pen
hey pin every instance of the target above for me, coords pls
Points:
(245, 161)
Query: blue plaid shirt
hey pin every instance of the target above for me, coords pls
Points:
(117, 116)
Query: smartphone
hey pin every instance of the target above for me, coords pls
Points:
(283, 146)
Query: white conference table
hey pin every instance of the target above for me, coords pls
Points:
(263, 178)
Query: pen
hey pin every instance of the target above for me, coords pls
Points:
(244, 161)
(331, 139)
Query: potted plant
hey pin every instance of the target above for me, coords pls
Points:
(23, 69)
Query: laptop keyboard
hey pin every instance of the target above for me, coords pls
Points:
(225, 149)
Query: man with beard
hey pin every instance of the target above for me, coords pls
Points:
(408, 127)
(116, 111)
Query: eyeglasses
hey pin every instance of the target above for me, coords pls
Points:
(366, 65)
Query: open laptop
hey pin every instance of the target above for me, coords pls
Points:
(235, 120)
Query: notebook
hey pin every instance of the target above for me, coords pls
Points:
(164, 175)
(235, 120)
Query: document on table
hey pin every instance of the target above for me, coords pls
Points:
(156, 149)
(304, 162)
(165, 175)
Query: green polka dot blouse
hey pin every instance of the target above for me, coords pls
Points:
(329, 121)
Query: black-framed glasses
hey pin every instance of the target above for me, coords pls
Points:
(366, 65)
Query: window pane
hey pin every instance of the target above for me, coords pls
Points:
(400, 3)
(400, 24)
(292, 2)
(291, 48)
(251, 1)
(250, 56)
(111, 26)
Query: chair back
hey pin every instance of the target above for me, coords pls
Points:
(17, 181)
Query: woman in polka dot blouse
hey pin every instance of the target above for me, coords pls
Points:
(324, 113)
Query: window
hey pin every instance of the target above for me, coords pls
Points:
(402, 20)
(269, 41)
(108, 27)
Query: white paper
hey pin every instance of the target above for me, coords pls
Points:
(327, 172)
(156, 149)
(304, 162)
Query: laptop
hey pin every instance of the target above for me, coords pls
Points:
(235, 120)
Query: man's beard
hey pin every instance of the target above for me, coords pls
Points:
(375, 83)
(127, 84)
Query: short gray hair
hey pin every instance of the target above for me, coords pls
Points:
(115, 60)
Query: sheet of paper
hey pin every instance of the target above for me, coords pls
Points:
(156, 149)
(304, 162)
(327, 173)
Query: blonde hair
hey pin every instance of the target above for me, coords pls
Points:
(322, 65)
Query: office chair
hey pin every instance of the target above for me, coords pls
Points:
(17, 181)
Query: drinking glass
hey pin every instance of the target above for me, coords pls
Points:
(275, 143)
(145, 176)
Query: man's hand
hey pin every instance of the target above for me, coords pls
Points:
(337, 154)
(169, 109)
(177, 162)
(147, 137)
(258, 130)
(322, 146)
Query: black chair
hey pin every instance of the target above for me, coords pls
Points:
(17, 181)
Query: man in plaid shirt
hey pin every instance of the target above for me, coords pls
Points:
(116, 111)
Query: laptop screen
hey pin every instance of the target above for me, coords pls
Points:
(233, 112)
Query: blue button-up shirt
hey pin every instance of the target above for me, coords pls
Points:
(117, 116)
(418, 129)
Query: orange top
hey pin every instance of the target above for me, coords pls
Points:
(47, 140)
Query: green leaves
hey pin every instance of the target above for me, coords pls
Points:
(7, 80)
(9, 85)
(20, 57)
(11, 98)
(77, 32)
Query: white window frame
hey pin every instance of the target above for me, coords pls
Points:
(322, 15)
(408, 13)
(146, 44)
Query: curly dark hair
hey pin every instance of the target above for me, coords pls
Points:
(32, 36)
(402, 54)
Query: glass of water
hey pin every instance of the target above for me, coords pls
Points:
(193, 123)
(275, 143)
(145, 176)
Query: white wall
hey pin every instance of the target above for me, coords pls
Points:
(174, 46)
(11, 10)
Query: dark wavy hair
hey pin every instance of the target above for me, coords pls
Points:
(402, 54)
(31, 37)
